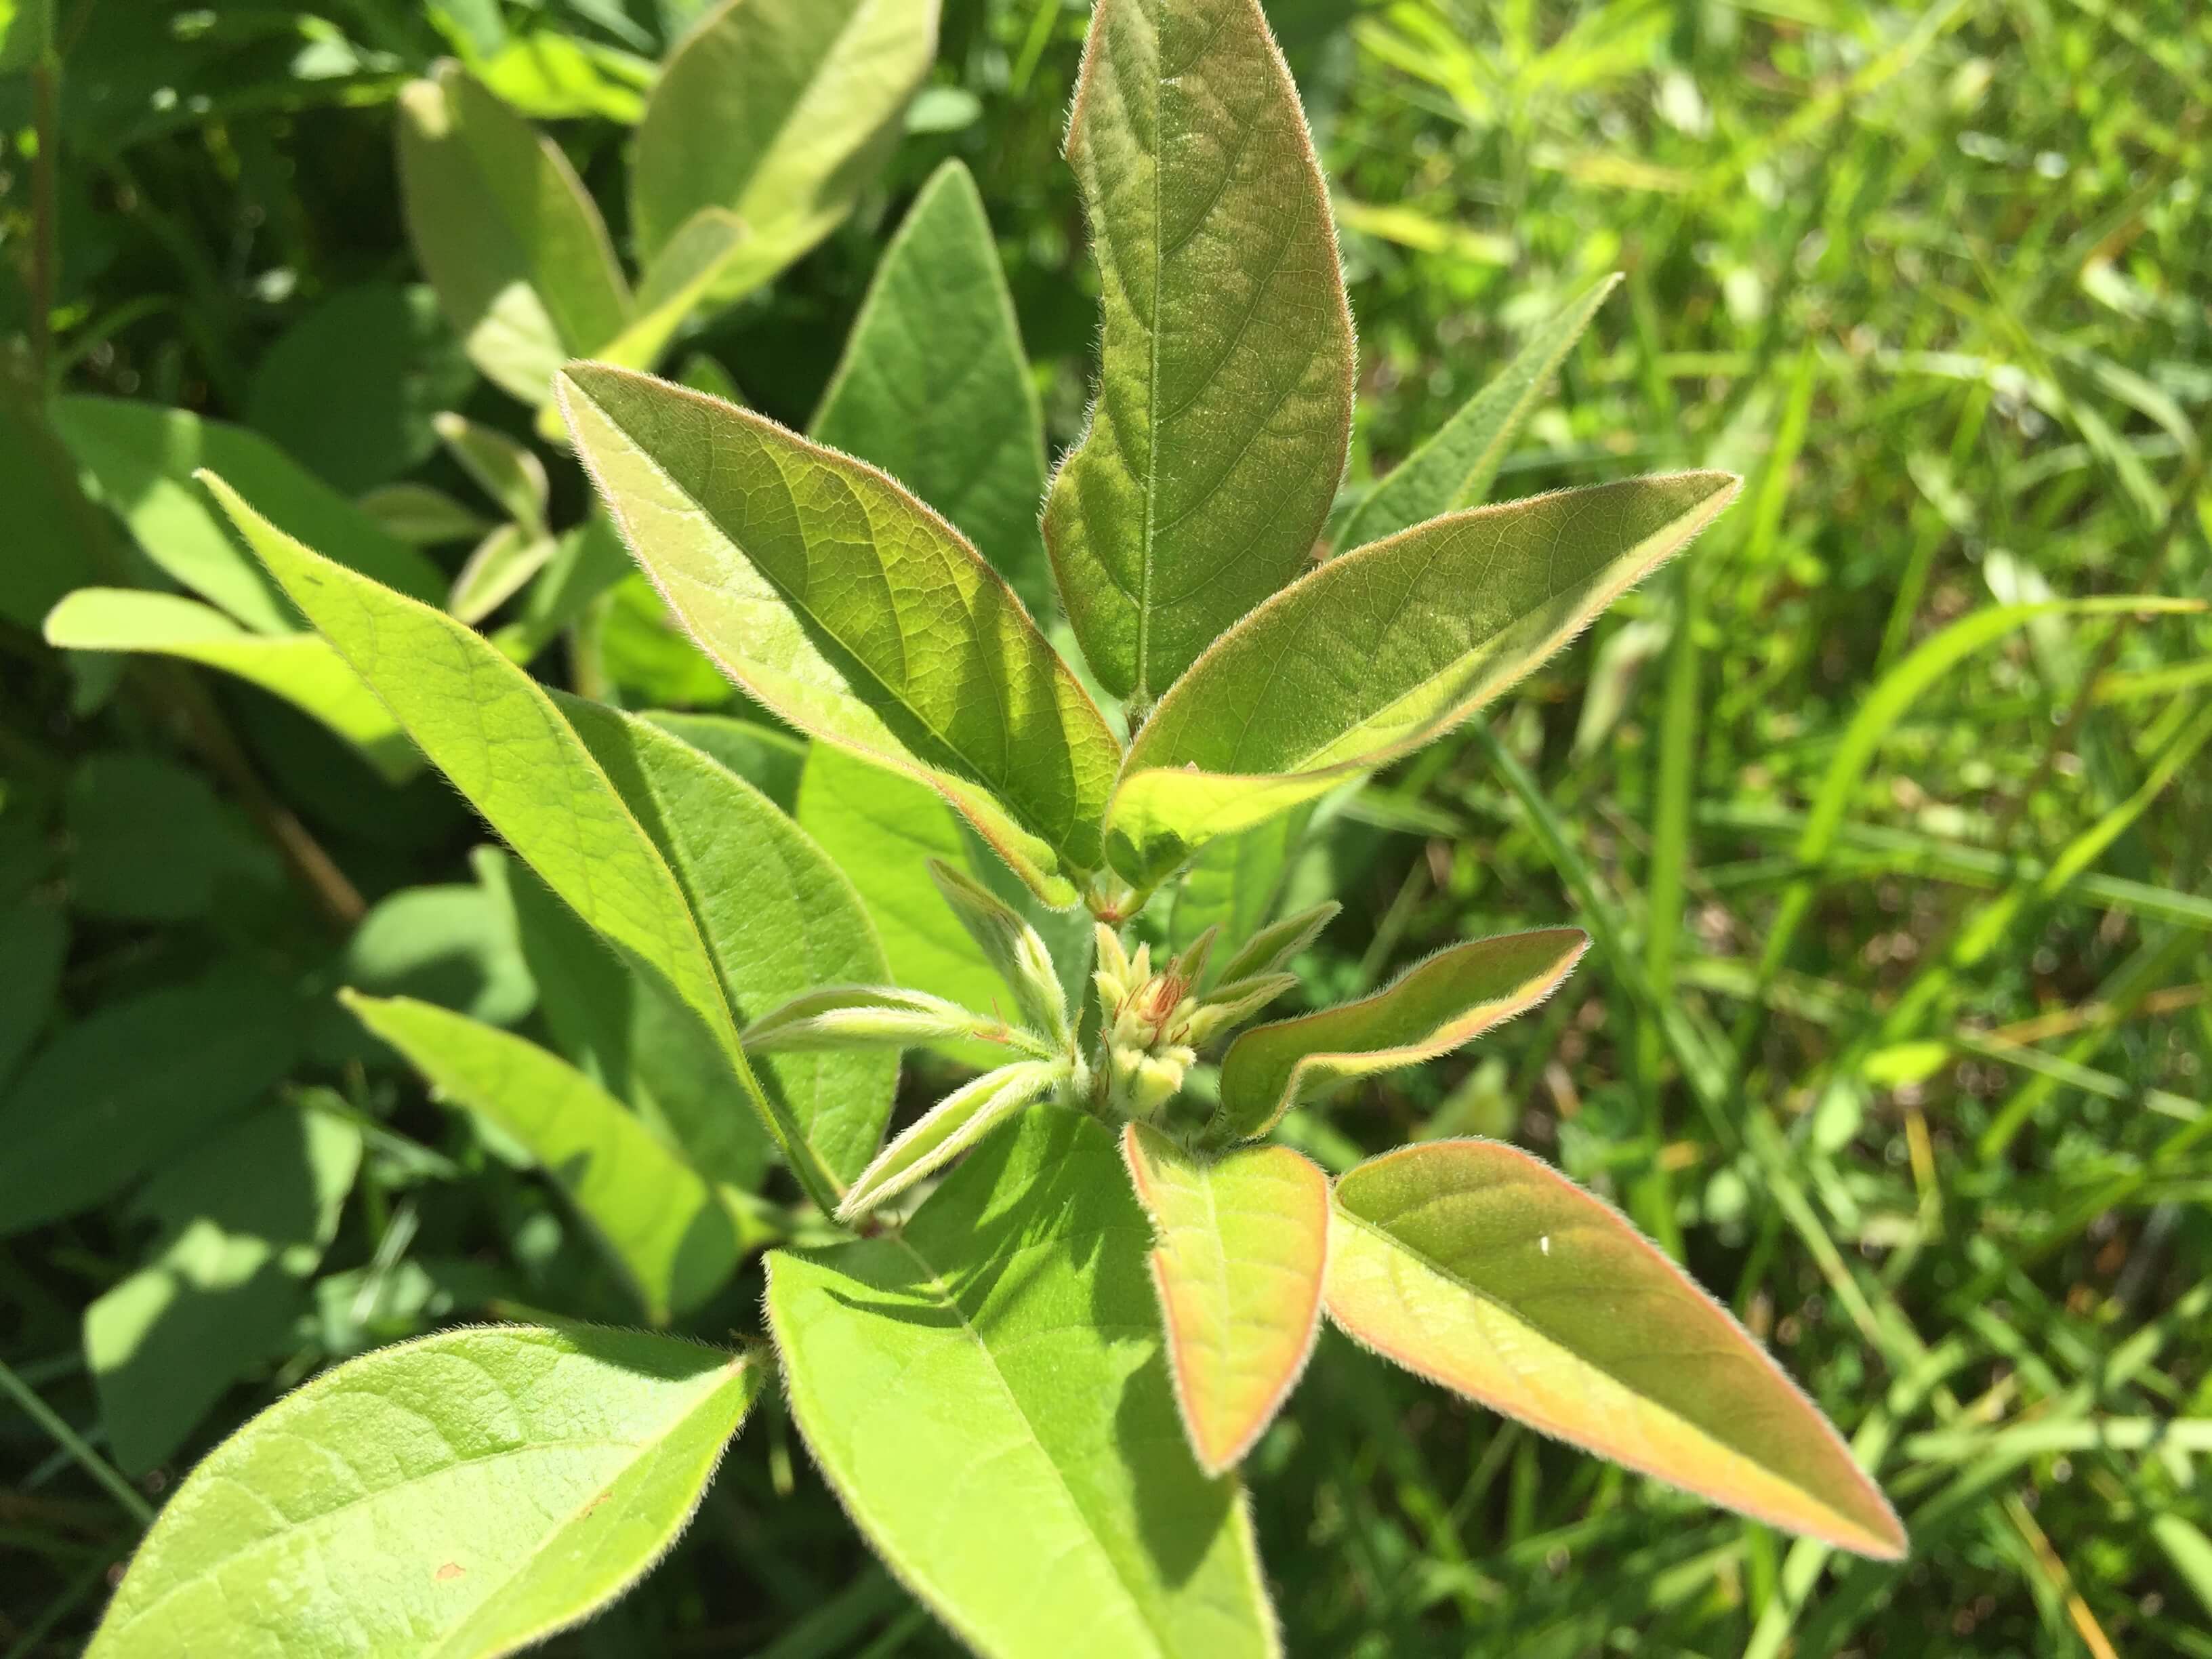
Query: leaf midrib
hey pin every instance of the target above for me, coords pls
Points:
(938, 1285)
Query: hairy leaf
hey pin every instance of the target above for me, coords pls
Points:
(498, 737)
(139, 460)
(853, 611)
(245, 1218)
(970, 442)
(955, 1124)
(988, 1388)
(509, 472)
(1243, 1241)
(300, 668)
(1383, 650)
(506, 233)
(1225, 395)
(1435, 1006)
(659, 1221)
(777, 916)
(127, 1086)
(1456, 467)
(1234, 883)
(779, 111)
(468, 1494)
(1481, 1268)
(500, 566)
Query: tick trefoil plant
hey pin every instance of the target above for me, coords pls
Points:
(1028, 1341)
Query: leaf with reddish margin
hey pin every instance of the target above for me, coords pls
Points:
(1478, 1266)
(1243, 1242)
(1434, 1008)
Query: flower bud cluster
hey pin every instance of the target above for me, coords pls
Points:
(1153, 1024)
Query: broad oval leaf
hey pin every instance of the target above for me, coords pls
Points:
(852, 610)
(1383, 650)
(778, 112)
(779, 919)
(987, 1392)
(949, 1128)
(660, 1222)
(1455, 468)
(1243, 1239)
(132, 1083)
(139, 460)
(506, 233)
(300, 668)
(497, 736)
(1224, 396)
(1435, 1006)
(1478, 1266)
(467, 1494)
(969, 442)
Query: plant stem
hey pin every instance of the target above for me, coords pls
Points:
(74, 1444)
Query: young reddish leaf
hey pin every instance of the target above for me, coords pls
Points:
(1243, 1241)
(1476, 1265)
(1434, 1008)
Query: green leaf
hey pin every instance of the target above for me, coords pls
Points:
(1234, 883)
(851, 610)
(124, 1088)
(777, 917)
(506, 233)
(54, 533)
(1476, 1265)
(989, 1388)
(1243, 1239)
(1434, 1008)
(349, 389)
(1272, 948)
(873, 1016)
(781, 111)
(26, 33)
(245, 1218)
(34, 943)
(955, 1124)
(630, 1035)
(588, 560)
(1225, 395)
(1456, 467)
(657, 1219)
(499, 567)
(422, 516)
(683, 276)
(468, 1494)
(509, 472)
(150, 842)
(1012, 947)
(970, 442)
(138, 458)
(498, 737)
(766, 757)
(453, 944)
(299, 668)
(1380, 652)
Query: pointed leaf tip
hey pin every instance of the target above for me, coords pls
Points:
(1241, 1240)
(1482, 1268)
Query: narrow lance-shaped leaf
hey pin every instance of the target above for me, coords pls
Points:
(1225, 395)
(1435, 1006)
(949, 1128)
(300, 668)
(873, 1016)
(658, 1220)
(501, 567)
(987, 1387)
(1481, 1268)
(509, 472)
(688, 269)
(467, 1494)
(1456, 467)
(1010, 945)
(778, 112)
(505, 231)
(850, 610)
(935, 389)
(1383, 650)
(1243, 1241)
(497, 736)
(777, 916)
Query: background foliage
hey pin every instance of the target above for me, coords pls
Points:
(1896, 1028)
